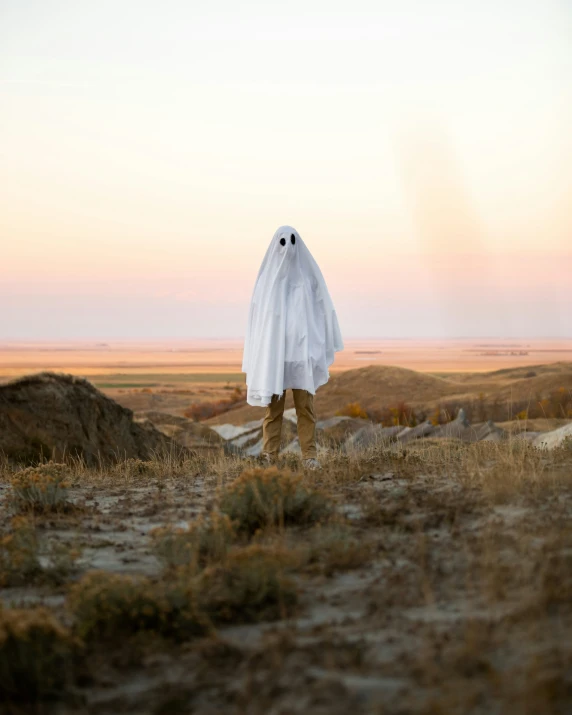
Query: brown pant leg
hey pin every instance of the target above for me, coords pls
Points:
(272, 425)
(304, 403)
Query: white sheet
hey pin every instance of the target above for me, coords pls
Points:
(292, 331)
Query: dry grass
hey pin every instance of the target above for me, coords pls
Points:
(269, 498)
(26, 557)
(36, 656)
(41, 489)
(110, 607)
(249, 585)
(203, 543)
(428, 579)
(19, 553)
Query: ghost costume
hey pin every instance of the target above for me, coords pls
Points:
(292, 332)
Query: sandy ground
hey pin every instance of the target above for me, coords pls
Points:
(451, 611)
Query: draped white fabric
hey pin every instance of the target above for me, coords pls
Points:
(292, 331)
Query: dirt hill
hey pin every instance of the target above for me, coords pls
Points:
(51, 415)
(377, 386)
(372, 385)
(519, 380)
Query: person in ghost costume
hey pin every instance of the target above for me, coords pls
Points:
(291, 338)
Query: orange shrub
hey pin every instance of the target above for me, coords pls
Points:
(352, 409)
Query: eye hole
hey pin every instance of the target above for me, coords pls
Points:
(292, 239)
(282, 241)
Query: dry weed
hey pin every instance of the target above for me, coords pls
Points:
(248, 586)
(19, 557)
(36, 655)
(204, 542)
(262, 498)
(462, 558)
(41, 489)
(27, 559)
(109, 607)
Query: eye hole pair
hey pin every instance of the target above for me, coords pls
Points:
(292, 240)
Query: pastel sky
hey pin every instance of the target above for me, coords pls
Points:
(148, 151)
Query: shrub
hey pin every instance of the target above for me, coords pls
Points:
(352, 409)
(110, 606)
(402, 414)
(41, 489)
(206, 541)
(19, 560)
(567, 444)
(35, 655)
(130, 468)
(436, 416)
(24, 559)
(249, 586)
(261, 498)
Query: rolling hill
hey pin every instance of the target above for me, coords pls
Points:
(377, 386)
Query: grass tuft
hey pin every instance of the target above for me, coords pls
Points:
(262, 498)
(26, 559)
(249, 586)
(36, 655)
(110, 606)
(19, 562)
(205, 542)
(41, 489)
(133, 468)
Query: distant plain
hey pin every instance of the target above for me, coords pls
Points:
(187, 360)
(169, 376)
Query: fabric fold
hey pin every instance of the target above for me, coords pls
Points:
(292, 332)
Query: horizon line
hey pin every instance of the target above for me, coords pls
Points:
(240, 338)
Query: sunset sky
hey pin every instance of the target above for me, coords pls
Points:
(148, 151)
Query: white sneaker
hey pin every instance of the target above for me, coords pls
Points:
(312, 464)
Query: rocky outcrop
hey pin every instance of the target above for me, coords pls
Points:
(57, 416)
(371, 435)
(348, 434)
(187, 433)
(336, 430)
(554, 439)
(454, 429)
(410, 434)
(246, 439)
(484, 432)
(461, 428)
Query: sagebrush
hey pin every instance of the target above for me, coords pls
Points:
(261, 498)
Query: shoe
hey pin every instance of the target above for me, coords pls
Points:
(311, 464)
(266, 458)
